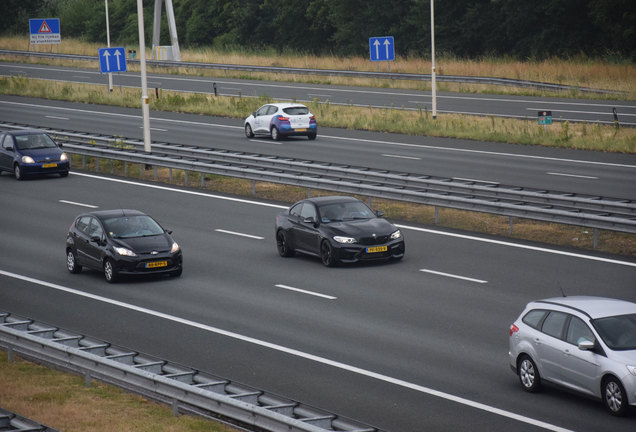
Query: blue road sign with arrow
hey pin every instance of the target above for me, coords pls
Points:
(112, 60)
(382, 48)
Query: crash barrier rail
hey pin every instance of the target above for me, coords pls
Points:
(12, 422)
(551, 206)
(325, 72)
(185, 388)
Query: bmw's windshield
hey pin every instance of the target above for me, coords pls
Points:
(618, 332)
(131, 226)
(347, 211)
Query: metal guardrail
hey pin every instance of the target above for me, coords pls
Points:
(11, 422)
(551, 206)
(325, 72)
(185, 388)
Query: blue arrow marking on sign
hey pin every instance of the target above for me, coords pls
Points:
(378, 54)
(119, 63)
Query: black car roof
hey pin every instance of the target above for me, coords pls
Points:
(102, 214)
(331, 199)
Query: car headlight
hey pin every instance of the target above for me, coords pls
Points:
(347, 240)
(631, 369)
(175, 247)
(124, 251)
(396, 235)
(27, 159)
(64, 157)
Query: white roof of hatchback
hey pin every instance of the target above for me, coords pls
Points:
(287, 105)
(595, 307)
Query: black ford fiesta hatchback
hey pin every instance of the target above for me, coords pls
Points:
(120, 242)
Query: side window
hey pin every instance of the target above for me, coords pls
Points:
(95, 229)
(553, 324)
(82, 224)
(534, 317)
(295, 210)
(578, 331)
(272, 110)
(308, 211)
(262, 110)
(7, 142)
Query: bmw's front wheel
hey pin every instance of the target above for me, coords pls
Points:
(327, 254)
(282, 244)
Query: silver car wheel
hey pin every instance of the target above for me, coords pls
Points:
(529, 375)
(614, 397)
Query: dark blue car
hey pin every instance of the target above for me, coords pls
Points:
(30, 152)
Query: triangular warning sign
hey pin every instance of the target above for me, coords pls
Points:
(44, 28)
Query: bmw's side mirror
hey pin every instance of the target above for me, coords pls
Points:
(379, 213)
(311, 220)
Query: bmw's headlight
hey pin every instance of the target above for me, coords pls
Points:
(346, 240)
(64, 157)
(396, 235)
(631, 369)
(124, 251)
(27, 159)
(175, 247)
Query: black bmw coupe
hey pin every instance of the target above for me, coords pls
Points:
(338, 229)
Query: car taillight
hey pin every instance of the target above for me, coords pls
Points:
(513, 329)
(281, 118)
(312, 118)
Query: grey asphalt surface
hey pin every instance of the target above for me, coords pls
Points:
(583, 172)
(420, 332)
(523, 107)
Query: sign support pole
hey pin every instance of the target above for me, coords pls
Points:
(433, 90)
(110, 75)
(144, 81)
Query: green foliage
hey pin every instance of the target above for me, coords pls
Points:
(464, 28)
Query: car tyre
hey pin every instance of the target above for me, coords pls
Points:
(326, 254)
(110, 271)
(275, 134)
(312, 136)
(71, 262)
(248, 131)
(283, 245)
(17, 172)
(528, 374)
(614, 396)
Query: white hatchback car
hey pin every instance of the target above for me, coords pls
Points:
(584, 343)
(280, 120)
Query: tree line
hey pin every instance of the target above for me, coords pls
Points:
(520, 29)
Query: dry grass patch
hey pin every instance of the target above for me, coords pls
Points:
(63, 401)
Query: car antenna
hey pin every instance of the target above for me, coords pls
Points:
(561, 288)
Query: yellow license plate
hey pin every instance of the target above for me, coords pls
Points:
(156, 264)
(49, 165)
(301, 130)
(377, 249)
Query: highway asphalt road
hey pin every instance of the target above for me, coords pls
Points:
(582, 172)
(524, 107)
(415, 345)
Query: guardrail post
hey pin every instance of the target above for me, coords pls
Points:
(436, 215)
(185, 172)
(126, 168)
(595, 237)
(141, 170)
(87, 379)
(308, 192)
(253, 187)
(170, 175)
(154, 169)
(175, 408)
(510, 224)
(202, 179)
(96, 164)
(10, 354)
(83, 161)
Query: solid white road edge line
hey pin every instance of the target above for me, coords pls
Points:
(294, 352)
(412, 228)
(453, 276)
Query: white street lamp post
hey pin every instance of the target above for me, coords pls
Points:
(110, 75)
(145, 108)
(433, 90)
